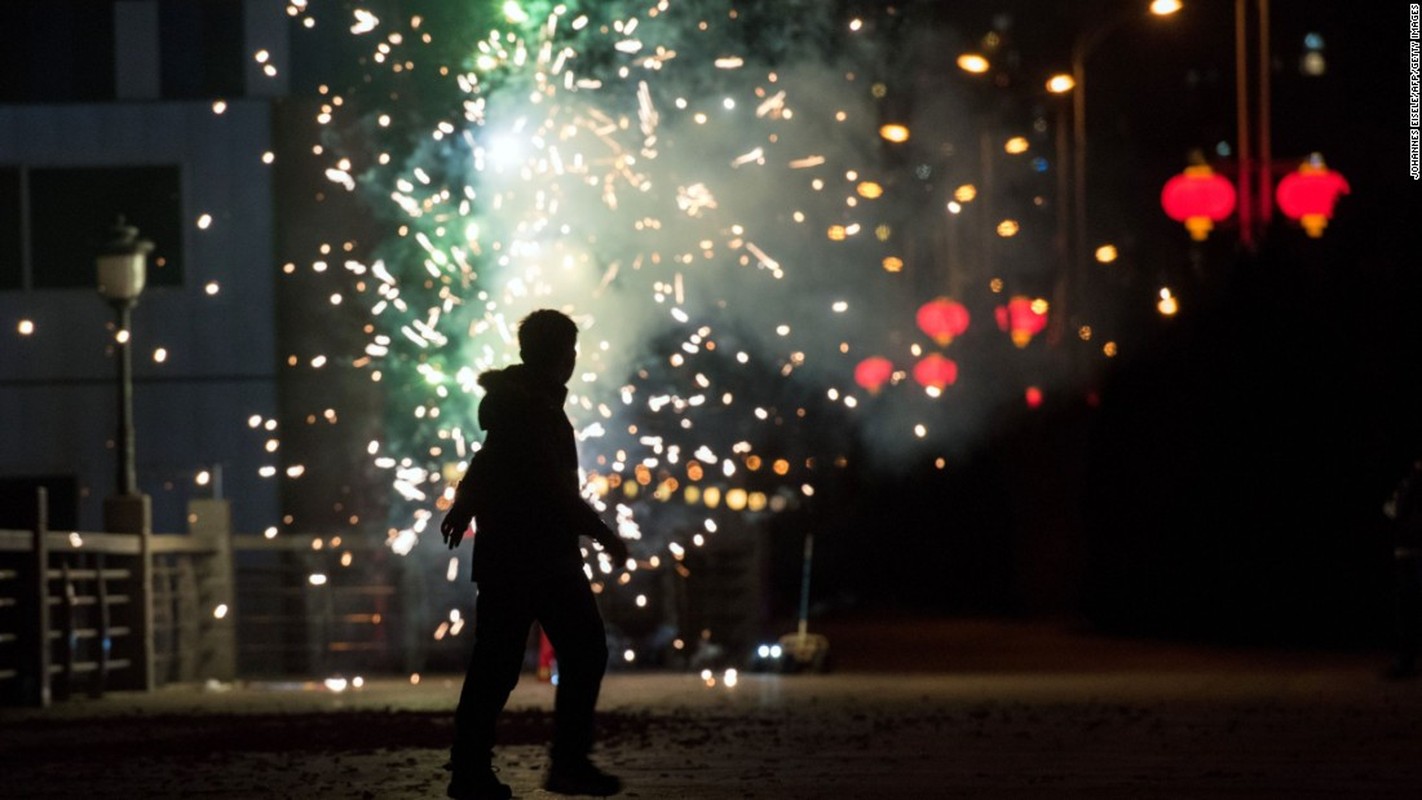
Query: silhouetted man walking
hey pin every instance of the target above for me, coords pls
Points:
(522, 488)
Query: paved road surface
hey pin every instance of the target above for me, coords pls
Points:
(1050, 715)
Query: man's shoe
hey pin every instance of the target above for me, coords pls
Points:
(478, 784)
(580, 776)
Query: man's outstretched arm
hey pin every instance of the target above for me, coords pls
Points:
(589, 524)
(459, 516)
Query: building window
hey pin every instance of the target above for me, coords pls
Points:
(11, 250)
(201, 48)
(19, 504)
(56, 51)
(72, 210)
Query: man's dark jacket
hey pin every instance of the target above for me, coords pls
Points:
(522, 485)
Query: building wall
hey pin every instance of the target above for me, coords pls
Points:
(215, 321)
(57, 384)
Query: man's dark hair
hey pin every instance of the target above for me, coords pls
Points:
(545, 335)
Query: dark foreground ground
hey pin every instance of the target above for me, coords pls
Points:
(979, 710)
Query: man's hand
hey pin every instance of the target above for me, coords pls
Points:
(616, 548)
(453, 528)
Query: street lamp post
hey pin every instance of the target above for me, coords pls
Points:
(122, 271)
(1256, 208)
(121, 267)
(1085, 44)
(1061, 84)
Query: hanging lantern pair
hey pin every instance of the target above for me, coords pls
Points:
(1199, 198)
(932, 372)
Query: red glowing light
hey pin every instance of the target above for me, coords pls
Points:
(1022, 318)
(936, 372)
(1034, 397)
(943, 319)
(1199, 198)
(873, 372)
(1309, 195)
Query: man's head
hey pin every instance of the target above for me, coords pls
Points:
(547, 343)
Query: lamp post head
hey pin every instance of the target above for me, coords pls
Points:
(974, 63)
(894, 132)
(122, 264)
(1164, 8)
(1061, 83)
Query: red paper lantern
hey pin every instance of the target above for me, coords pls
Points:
(873, 372)
(1309, 194)
(1022, 318)
(1199, 198)
(942, 319)
(935, 372)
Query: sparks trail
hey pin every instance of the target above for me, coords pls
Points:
(703, 188)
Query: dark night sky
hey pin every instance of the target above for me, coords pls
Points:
(1230, 484)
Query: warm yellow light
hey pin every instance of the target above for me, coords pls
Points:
(1313, 64)
(836, 233)
(26, 327)
(894, 132)
(965, 193)
(1164, 8)
(1167, 304)
(1016, 145)
(736, 499)
(1106, 253)
(893, 264)
(974, 63)
(870, 190)
(1007, 228)
(1060, 83)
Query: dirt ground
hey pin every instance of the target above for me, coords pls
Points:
(1013, 712)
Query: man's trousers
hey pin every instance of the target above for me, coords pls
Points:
(504, 613)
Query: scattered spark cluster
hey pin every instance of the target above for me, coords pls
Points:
(714, 195)
(721, 214)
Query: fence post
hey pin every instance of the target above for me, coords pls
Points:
(66, 629)
(101, 590)
(212, 521)
(134, 514)
(39, 659)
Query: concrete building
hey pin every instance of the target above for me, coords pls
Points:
(154, 110)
